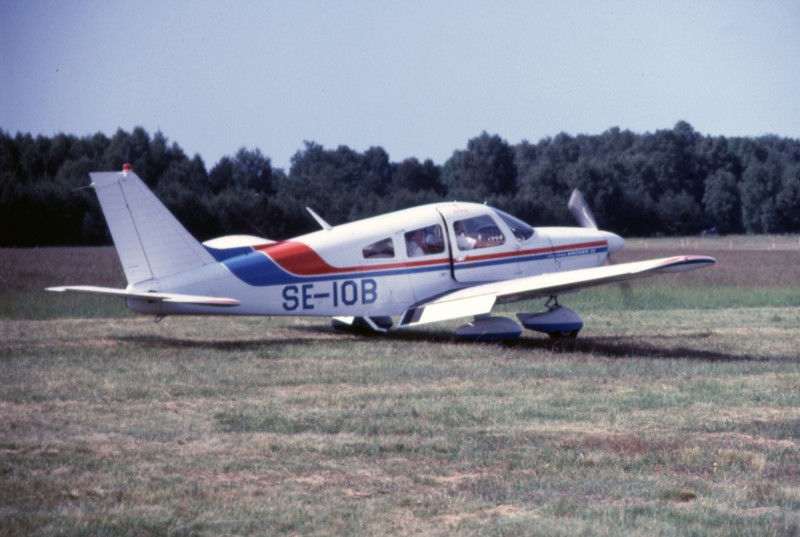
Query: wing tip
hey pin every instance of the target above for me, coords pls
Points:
(686, 262)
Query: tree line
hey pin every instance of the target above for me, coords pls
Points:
(669, 182)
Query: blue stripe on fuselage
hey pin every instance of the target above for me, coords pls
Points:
(221, 254)
(524, 258)
(257, 269)
(582, 251)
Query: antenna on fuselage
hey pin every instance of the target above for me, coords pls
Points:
(326, 226)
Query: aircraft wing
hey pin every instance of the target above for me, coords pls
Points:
(480, 299)
(176, 298)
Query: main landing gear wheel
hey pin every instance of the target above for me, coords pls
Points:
(364, 326)
(563, 334)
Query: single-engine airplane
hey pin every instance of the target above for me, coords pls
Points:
(411, 267)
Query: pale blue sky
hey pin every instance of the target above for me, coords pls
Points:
(419, 78)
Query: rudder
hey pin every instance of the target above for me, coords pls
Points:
(150, 241)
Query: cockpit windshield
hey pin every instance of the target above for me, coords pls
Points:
(520, 229)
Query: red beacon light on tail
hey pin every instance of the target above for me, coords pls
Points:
(127, 167)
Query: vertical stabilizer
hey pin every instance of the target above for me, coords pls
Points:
(150, 242)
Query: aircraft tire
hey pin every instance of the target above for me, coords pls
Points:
(563, 334)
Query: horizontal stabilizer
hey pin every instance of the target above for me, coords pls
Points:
(174, 298)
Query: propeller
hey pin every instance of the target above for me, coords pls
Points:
(580, 210)
(583, 214)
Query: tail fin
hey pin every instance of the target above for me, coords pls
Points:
(150, 242)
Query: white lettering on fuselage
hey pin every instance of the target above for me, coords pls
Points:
(572, 253)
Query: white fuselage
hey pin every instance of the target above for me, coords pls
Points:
(379, 266)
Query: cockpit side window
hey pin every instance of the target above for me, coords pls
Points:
(522, 231)
(478, 232)
(425, 241)
(381, 249)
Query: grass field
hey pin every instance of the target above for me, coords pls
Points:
(676, 412)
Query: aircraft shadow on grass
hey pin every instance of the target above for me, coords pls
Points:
(639, 346)
(232, 345)
(620, 347)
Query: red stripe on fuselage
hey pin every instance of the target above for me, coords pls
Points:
(536, 251)
(579, 246)
(299, 259)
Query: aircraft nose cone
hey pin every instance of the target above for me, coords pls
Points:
(615, 242)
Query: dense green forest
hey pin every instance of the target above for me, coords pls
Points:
(669, 182)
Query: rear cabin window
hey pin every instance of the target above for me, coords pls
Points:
(425, 241)
(381, 249)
